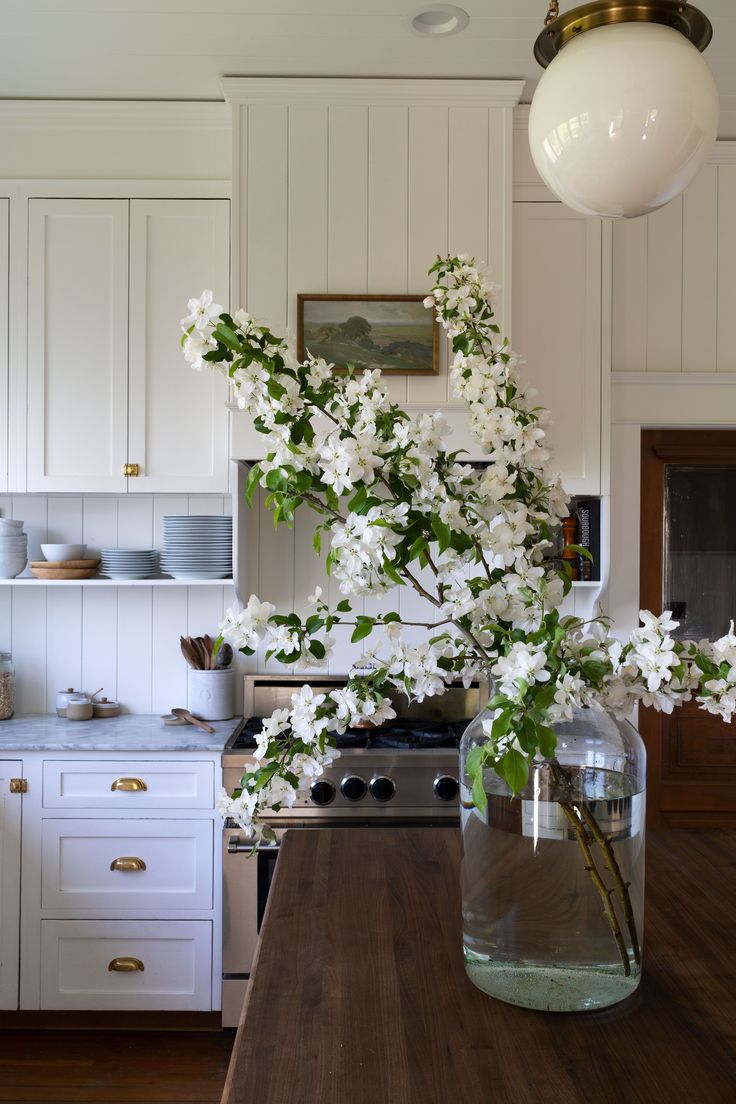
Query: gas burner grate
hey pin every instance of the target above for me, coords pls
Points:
(411, 734)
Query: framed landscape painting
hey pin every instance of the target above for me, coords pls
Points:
(395, 333)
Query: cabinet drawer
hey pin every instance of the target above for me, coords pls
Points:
(127, 864)
(175, 956)
(128, 784)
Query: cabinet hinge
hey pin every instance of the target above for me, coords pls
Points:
(19, 785)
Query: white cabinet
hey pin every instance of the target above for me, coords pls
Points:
(122, 882)
(108, 281)
(556, 312)
(10, 810)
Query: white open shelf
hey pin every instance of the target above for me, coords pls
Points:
(587, 583)
(97, 582)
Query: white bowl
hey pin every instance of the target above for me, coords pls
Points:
(12, 545)
(58, 552)
(10, 523)
(10, 566)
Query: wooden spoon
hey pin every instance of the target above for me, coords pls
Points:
(189, 652)
(187, 716)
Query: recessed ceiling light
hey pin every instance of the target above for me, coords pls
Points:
(440, 19)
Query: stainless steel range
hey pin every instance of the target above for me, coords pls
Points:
(405, 772)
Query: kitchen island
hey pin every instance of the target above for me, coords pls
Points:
(359, 994)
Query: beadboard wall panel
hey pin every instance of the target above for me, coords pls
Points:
(355, 186)
(674, 279)
(125, 639)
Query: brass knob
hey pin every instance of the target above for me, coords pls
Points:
(127, 864)
(129, 784)
(126, 965)
(131, 469)
(18, 785)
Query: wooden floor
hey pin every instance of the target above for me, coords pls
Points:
(113, 1067)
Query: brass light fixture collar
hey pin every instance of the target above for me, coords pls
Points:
(682, 17)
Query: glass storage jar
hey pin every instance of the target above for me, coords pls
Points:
(553, 879)
(7, 686)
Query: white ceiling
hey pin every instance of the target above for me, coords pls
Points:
(178, 49)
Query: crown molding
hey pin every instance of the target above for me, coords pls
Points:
(115, 114)
(673, 398)
(372, 91)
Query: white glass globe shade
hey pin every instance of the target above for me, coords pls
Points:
(622, 119)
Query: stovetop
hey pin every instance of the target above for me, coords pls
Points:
(410, 734)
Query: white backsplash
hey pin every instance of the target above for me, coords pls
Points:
(125, 639)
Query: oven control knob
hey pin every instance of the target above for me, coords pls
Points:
(353, 787)
(382, 788)
(322, 792)
(445, 787)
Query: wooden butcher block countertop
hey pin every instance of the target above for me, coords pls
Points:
(359, 994)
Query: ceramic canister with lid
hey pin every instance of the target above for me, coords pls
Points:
(62, 699)
(79, 708)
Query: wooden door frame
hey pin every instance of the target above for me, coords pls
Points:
(658, 447)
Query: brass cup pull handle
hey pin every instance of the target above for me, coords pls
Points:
(131, 469)
(126, 965)
(127, 864)
(130, 785)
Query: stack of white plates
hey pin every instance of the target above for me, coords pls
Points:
(129, 563)
(13, 548)
(198, 546)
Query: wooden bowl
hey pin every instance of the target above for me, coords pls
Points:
(64, 569)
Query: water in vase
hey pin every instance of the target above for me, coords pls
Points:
(535, 930)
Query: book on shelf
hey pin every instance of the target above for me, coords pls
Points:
(589, 518)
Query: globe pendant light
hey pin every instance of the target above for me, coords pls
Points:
(627, 110)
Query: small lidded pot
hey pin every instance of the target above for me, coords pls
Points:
(62, 699)
(105, 708)
(79, 708)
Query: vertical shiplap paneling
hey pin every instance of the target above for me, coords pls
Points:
(388, 223)
(700, 272)
(65, 520)
(267, 205)
(275, 566)
(205, 504)
(100, 524)
(309, 567)
(467, 166)
(168, 667)
(726, 268)
(205, 609)
(500, 188)
(100, 639)
(135, 521)
(33, 511)
(6, 619)
(629, 296)
(308, 202)
(664, 289)
(135, 651)
(64, 643)
(249, 545)
(29, 648)
(427, 223)
(347, 228)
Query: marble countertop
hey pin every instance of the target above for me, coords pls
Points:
(129, 732)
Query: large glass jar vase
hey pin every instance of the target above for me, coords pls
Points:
(553, 878)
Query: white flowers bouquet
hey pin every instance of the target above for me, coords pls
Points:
(392, 498)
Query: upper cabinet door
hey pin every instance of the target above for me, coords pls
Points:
(4, 270)
(178, 432)
(77, 344)
(557, 281)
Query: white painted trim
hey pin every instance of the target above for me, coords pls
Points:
(21, 190)
(372, 91)
(674, 399)
(115, 114)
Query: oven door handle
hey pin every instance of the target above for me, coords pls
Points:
(236, 846)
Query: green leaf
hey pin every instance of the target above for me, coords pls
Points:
(418, 547)
(317, 541)
(480, 800)
(474, 760)
(358, 499)
(361, 630)
(314, 623)
(317, 649)
(514, 767)
(547, 738)
(581, 551)
(390, 570)
(442, 532)
(389, 618)
(254, 476)
(228, 337)
(343, 606)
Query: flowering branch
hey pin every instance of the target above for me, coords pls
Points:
(394, 499)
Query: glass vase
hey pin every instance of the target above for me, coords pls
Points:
(553, 878)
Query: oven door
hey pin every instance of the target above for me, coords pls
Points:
(246, 881)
